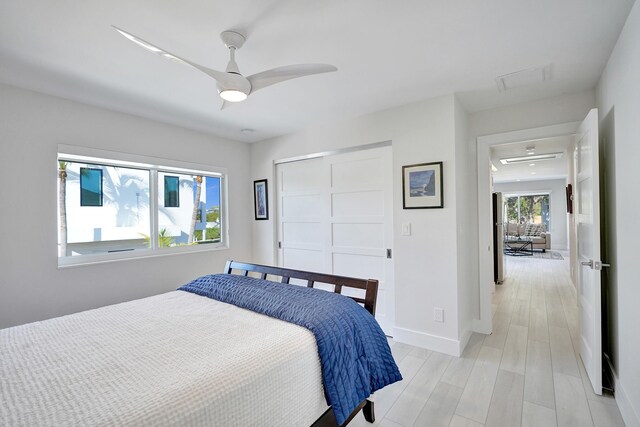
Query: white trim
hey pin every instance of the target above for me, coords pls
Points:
(117, 158)
(83, 260)
(481, 327)
(429, 341)
(525, 193)
(334, 152)
(464, 339)
(630, 415)
(485, 239)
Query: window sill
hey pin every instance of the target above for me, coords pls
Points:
(86, 260)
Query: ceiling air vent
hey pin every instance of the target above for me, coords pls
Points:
(521, 78)
(536, 157)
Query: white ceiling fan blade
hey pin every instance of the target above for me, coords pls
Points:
(225, 79)
(281, 74)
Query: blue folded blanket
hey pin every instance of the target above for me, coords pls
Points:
(354, 353)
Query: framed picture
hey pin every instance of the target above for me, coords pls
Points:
(569, 192)
(261, 199)
(422, 186)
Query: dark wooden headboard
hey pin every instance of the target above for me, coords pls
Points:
(370, 286)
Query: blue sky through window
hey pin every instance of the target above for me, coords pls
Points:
(213, 192)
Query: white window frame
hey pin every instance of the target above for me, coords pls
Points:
(154, 165)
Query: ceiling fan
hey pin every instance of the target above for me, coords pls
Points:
(232, 85)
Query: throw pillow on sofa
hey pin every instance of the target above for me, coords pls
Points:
(534, 229)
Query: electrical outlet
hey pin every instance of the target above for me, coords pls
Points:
(438, 314)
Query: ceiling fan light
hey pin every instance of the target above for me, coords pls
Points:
(233, 95)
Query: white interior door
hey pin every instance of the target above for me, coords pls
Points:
(587, 219)
(335, 215)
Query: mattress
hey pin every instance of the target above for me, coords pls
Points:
(171, 359)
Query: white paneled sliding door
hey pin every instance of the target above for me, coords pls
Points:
(335, 215)
(301, 216)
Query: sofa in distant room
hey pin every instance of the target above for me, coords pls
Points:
(537, 233)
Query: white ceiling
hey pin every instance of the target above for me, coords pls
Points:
(388, 53)
(547, 169)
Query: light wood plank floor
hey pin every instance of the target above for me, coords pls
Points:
(527, 373)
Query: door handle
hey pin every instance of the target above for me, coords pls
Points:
(595, 265)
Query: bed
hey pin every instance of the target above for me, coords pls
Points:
(187, 358)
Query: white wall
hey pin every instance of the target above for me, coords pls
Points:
(618, 96)
(557, 201)
(31, 127)
(467, 256)
(426, 264)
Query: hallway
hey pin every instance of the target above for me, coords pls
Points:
(527, 373)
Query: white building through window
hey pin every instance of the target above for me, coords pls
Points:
(111, 207)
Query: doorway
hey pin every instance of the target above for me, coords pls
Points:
(586, 176)
(485, 238)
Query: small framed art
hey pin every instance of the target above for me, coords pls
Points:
(261, 199)
(422, 186)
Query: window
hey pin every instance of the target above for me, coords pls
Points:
(111, 208)
(90, 187)
(199, 222)
(171, 191)
(528, 209)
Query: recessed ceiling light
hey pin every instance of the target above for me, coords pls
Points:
(528, 158)
(246, 131)
(532, 164)
(518, 180)
(533, 173)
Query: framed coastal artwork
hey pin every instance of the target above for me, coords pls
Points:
(260, 199)
(422, 186)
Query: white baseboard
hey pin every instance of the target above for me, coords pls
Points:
(464, 338)
(428, 341)
(482, 326)
(630, 415)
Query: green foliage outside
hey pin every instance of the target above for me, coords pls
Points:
(164, 239)
(528, 209)
(212, 233)
(213, 215)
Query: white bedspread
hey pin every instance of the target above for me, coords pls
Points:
(172, 359)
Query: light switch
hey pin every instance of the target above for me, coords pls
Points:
(406, 229)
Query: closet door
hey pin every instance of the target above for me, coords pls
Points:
(301, 215)
(335, 216)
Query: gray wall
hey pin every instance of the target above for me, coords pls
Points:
(32, 287)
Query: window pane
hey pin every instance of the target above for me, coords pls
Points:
(90, 187)
(119, 223)
(197, 218)
(171, 191)
(512, 209)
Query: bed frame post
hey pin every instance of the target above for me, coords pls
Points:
(368, 411)
(227, 267)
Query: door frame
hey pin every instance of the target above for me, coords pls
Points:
(274, 174)
(485, 240)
